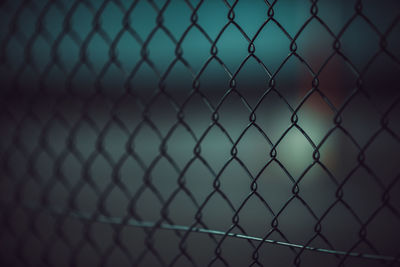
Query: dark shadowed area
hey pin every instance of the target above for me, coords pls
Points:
(200, 133)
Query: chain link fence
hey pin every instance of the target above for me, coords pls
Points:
(200, 133)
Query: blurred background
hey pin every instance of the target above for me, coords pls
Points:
(277, 120)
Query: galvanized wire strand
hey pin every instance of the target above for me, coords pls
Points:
(147, 224)
(15, 35)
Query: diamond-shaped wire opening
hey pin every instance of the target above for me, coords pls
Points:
(199, 133)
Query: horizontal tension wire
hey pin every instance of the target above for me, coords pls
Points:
(147, 224)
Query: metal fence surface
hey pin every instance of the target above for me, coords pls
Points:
(200, 133)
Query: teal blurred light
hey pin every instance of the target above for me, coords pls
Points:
(95, 37)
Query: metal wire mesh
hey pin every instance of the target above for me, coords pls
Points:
(200, 133)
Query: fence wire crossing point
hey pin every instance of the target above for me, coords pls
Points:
(257, 133)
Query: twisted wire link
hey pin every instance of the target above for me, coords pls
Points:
(30, 175)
